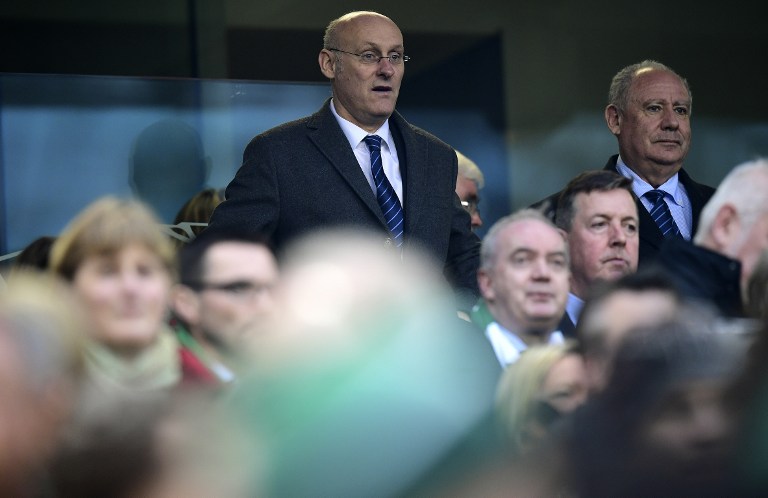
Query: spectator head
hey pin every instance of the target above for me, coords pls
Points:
(544, 384)
(523, 274)
(735, 220)
(363, 56)
(469, 180)
(226, 287)
(121, 267)
(649, 109)
(598, 213)
(614, 308)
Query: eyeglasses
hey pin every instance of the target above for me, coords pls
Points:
(371, 58)
(238, 288)
(470, 206)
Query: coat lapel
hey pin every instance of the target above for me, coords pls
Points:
(327, 136)
(414, 177)
(649, 232)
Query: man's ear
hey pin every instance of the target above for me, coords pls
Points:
(484, 282)
(725, 229)
(327, 62)
(613, 119)
(186, 304)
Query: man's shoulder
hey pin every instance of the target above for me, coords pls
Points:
(398, 122)
(689, 183)
(290, 127)
(298, 126)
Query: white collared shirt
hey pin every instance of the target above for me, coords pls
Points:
(389, 160)
(675, 196)
(508, 346)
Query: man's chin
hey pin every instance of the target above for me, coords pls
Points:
(615, 271)
(544, 321)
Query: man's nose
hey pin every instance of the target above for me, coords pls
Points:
(541, 269)
(617, 234)
(477, 221)
(385, 67)
(670, 119)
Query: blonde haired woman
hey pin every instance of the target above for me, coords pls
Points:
(544, 384)
(120, 266)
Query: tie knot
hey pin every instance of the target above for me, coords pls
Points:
(654, 195)
(373, 142)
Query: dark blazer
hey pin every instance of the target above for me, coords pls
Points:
(650, 235)
(303, 175)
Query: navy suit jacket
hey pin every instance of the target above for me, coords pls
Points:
(650, 235)
(303, 175)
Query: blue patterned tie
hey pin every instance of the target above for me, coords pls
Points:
(661, 214)
(385, 194)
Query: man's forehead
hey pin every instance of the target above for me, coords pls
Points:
(534, 235)
(360, 30)
(656, 78)
(618, 199)
(222, 253)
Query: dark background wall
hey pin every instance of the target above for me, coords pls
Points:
(556, 57)
(537, 72)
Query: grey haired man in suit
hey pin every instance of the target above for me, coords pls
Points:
(649, 112)
(316, 172)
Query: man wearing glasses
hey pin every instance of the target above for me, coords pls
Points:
(224, 298)
(357, 162)
(468, 183)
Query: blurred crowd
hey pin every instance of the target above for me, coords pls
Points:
(137, 366)
(336, 333)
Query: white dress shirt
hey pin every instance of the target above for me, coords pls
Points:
(508, 346)
(389, 160)
(675, 196)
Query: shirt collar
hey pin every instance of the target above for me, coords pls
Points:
(641, 187)
(508, 345)
(355, 134)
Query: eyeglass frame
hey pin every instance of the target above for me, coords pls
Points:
(401, 58)
(470, 206)
(239, 288)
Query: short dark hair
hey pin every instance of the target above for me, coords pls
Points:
(192, 255)
(601, 180)
(650, 279)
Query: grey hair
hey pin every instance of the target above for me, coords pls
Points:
(469, 169)
(489, 247)
(744, 188)
(618, 94)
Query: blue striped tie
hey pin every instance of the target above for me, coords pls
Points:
(385, 194)
(661, 214)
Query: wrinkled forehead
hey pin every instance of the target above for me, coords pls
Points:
(651, 78)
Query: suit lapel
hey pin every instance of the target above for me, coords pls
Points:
(649, 232)
(327, 136)
(695, 196)
(411, 158)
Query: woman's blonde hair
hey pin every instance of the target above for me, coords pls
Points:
(517, 393)
(104, 228)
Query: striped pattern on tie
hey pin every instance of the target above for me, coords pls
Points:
(385, 193)
(661, 214)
